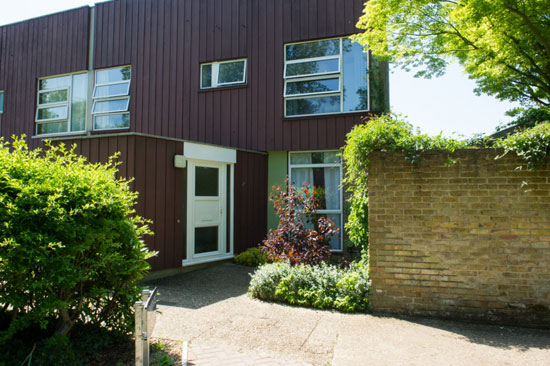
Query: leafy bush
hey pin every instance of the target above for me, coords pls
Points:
(321, 286)
(294, 240)
(71, 247)
(533, 145)
(252, 257)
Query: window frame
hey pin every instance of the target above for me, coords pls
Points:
(326, 75)
(68, 103)
(333, 212)
(215, 74)
(321, 77)
(96, 100)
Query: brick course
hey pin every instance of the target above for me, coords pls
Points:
(469, 240)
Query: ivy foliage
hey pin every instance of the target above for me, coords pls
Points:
(71, 246)
(533, 145)
(391, 134)
(386, 133)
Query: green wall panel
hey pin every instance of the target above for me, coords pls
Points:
(277, 170)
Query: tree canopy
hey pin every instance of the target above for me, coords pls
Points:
(504, 45)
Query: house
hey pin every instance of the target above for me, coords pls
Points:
(210, 103)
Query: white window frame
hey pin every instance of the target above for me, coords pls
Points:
(67, 103)
(109, 98)
(339, 212)
(325, 75)
(215, 74)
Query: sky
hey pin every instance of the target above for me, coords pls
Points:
(446, 104)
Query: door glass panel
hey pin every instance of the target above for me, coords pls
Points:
(206, 182)
(206, 239)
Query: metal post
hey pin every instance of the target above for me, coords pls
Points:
(139, 334)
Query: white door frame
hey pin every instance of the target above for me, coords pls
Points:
(221, 253)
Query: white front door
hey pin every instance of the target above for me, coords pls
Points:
(206, 210)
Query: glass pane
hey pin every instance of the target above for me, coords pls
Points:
(206, 239)
(206, 182)
(355, 68)
(326, 47)
(335, 239)
(297, 107)
(107, 106)
(55, 83)
(325, 182)
(1, 102)
(114, 90)
(312, 86)
(113, 75)
(51, 127)
(111, 121)
(53, 113)
(206, 76)
(78, 102)
(231, 72)
(312, 67)
(56, 96)
(317, 157)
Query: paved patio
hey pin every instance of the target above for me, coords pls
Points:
(210, 309)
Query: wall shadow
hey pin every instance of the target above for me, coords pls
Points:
(200, 288)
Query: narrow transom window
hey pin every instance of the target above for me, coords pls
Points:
(324, 77)
(223, 73)
(322, 171)
(61, 104)
(1, 101)
(111, 98)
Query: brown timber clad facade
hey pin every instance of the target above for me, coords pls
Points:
(165, 42)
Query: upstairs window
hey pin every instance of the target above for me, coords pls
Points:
(1, 101)
(111, 98)
(224, 73)
(61, 104)
(325, 77)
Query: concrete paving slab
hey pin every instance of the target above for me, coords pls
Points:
(210, 308)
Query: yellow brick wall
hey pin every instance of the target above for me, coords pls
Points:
(470, 240)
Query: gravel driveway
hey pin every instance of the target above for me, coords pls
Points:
(210, 308)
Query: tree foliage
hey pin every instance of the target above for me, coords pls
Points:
(71, 247)
(504, 45)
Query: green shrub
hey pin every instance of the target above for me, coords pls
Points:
(321, 286)
(252, 257)
(71, 247)
(533, 145)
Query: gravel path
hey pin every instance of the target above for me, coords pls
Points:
(210, 308)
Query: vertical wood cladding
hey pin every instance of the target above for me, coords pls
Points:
(49, 45)
(160, 186)
(161, 190)
(250, 192)
(165, 41)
